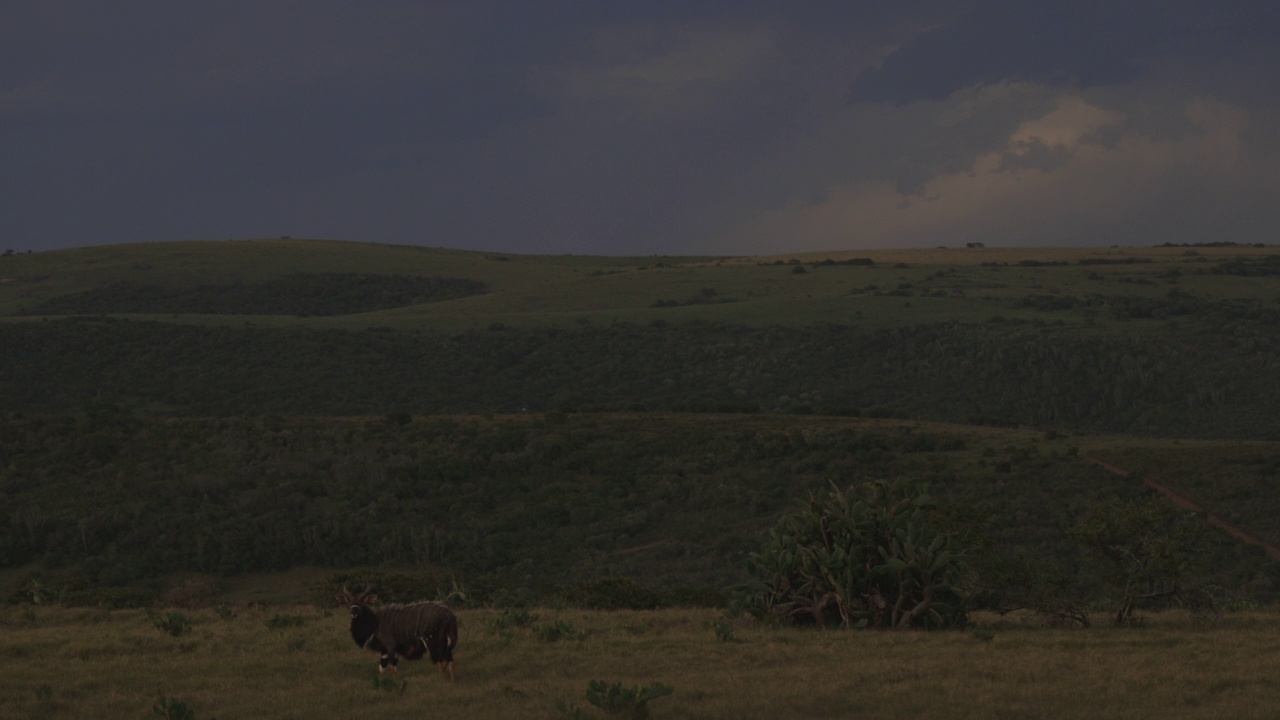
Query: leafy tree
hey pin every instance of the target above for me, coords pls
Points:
(1147, 548)
(867, 556)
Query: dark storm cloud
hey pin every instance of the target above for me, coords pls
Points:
(614, 127)
(1082, 43)
(165, 117)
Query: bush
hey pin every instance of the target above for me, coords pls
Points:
(280, 621)
(616, 699)
(175, 623)
(722, 627)
(505, 624)
(558, 630)
(1147, 548)
(173, 709)
(865, 558)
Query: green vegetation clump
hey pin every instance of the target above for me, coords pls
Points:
(556, 631)
(171, 708)
(723, 629)
(280, 621)
(862, 557)
(1148, 550)
(174, 623)
(512, 619)
(387, 683)
(617, 699)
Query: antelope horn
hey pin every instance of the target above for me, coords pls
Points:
(358, 596)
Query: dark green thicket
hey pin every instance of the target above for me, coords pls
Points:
(558, 504)
(300, 294)
(1217, 382)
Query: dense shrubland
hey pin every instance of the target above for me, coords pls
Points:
(1219, 381)
(102, 504)
(224, 408)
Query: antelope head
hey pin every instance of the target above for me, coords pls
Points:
(357, 601)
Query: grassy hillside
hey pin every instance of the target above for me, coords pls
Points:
(1154, 341)
(877, 288)
(227, 407)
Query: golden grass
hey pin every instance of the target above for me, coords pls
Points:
(100, 664)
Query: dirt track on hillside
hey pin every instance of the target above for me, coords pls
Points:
(1185, 502)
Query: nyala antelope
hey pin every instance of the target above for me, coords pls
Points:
(409, 631)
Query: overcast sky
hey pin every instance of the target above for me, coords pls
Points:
(728, 127)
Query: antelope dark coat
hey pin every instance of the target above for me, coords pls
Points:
(409, 631)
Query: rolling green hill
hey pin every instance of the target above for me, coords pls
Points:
(1153, 341)
(1081, 287)
(527, 421)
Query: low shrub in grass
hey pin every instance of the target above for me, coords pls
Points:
(619, 700)
(174, 623)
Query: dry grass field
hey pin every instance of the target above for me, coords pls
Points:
(298, 662)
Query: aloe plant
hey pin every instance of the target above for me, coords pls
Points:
(865, 556)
